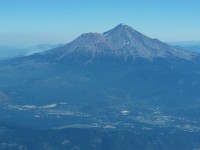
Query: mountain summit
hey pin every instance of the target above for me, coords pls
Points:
(123, 41)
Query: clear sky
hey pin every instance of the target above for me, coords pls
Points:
(30, 22)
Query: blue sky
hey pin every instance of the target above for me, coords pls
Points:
(30, 22)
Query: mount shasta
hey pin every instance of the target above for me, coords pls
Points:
(119, 84)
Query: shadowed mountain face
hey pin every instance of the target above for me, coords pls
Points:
(120, 80)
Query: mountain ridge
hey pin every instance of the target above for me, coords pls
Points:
(123, 41)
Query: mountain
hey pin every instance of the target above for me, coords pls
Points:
(120, 84)
(121, 41)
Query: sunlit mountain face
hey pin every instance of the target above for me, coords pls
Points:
(116, 90)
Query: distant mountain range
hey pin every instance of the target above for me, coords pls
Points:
(10, 52)
(185, 43)
(119, 84)
(193, 46)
